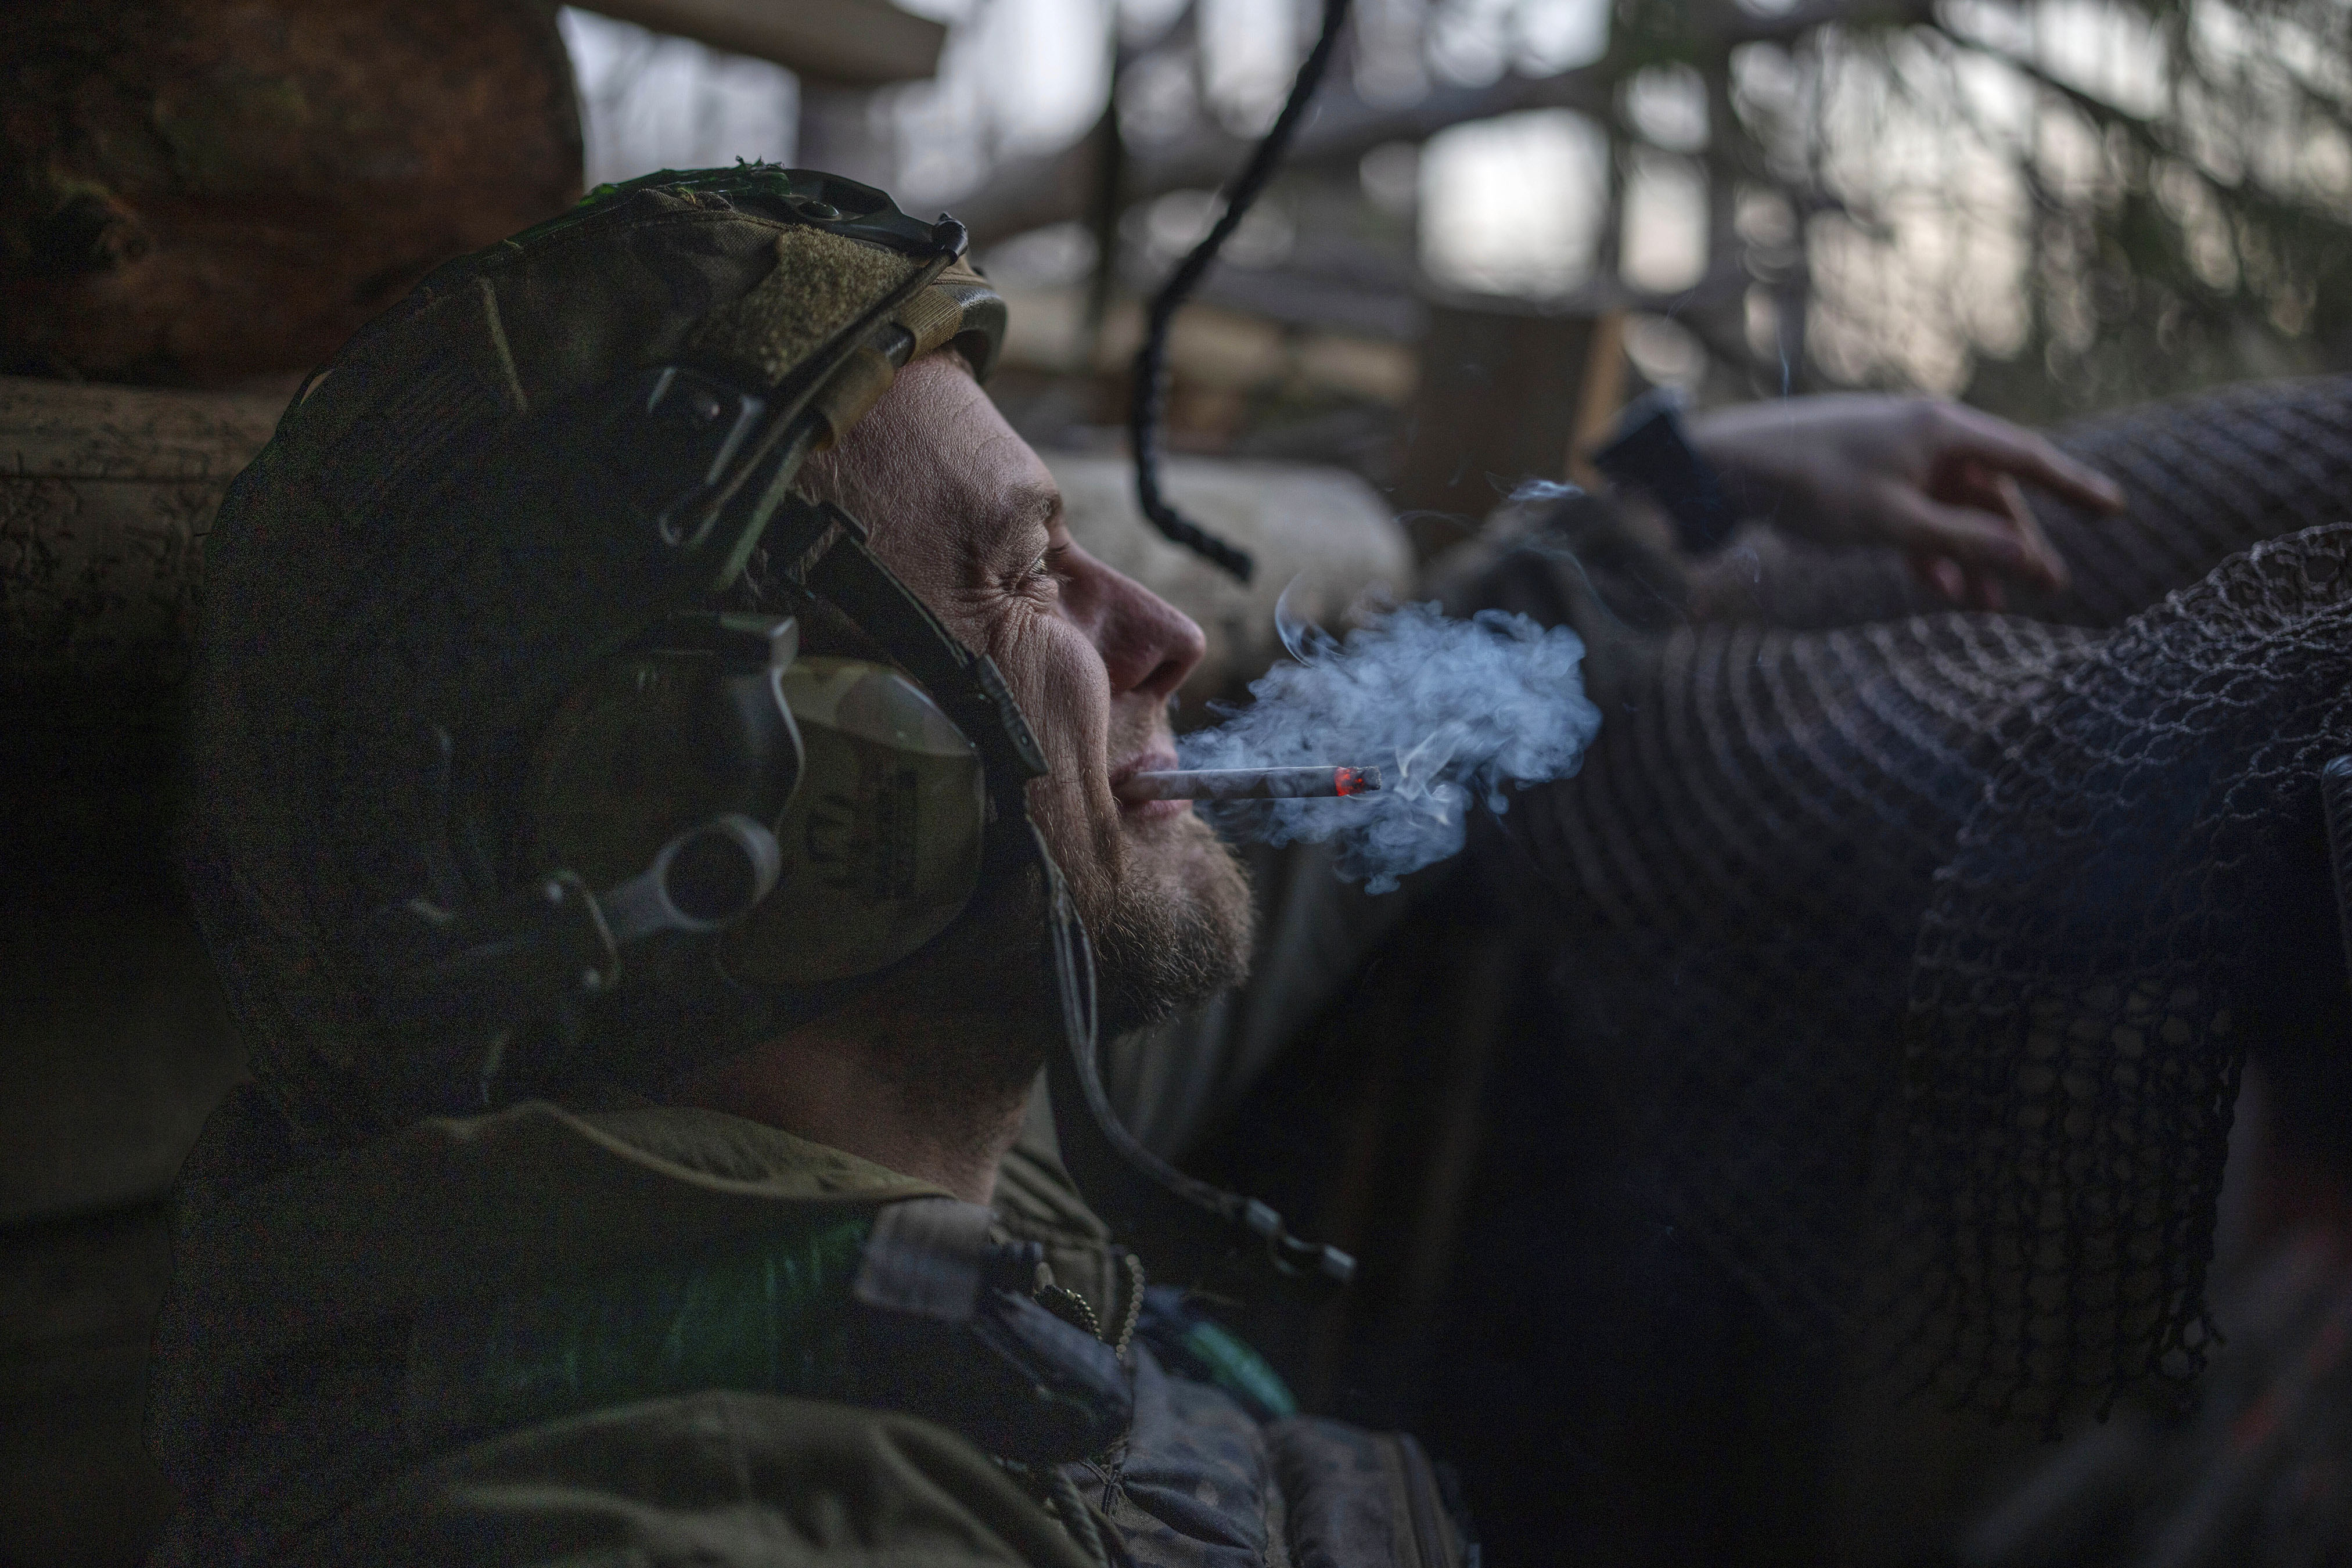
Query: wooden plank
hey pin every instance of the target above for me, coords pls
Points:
(1500, 393)
(855, 43)
(81, 430)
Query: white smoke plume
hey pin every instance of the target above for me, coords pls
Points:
(1449, 710)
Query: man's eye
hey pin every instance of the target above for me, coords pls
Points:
(1048, 564)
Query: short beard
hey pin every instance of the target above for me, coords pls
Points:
(968, 1023)
(1177, 929)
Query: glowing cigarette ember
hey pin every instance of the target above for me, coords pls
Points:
(1249, 784)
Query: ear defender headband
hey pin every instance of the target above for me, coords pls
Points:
(723, 837)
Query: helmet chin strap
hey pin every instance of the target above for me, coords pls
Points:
(1104, 1158)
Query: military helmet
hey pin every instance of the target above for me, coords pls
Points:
(488, 773)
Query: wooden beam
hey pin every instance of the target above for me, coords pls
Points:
(853, 43)
(1030, 193)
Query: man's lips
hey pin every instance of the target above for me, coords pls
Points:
(1157, 759)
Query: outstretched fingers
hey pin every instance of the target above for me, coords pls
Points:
(2020, 454)
(1984, 544)
(2048, 564)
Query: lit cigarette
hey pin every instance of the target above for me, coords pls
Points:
(1250, 784)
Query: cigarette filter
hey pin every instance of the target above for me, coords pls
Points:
(1250, 784)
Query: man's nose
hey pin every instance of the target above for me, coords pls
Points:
(1146, 644)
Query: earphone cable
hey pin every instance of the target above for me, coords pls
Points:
(1150, 390)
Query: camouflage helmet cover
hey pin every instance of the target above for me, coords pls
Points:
(418, 553)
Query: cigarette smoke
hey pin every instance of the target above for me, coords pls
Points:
(1449, 710)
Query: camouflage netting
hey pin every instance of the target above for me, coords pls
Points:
(1938, 941)
(2131, 903)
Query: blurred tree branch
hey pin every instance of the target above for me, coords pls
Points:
(2044, 204)
(1030, 193)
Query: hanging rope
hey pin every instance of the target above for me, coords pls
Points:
(1151, 361)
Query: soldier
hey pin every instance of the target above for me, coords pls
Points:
(649, 702)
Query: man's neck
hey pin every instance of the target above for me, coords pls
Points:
(947, 1121)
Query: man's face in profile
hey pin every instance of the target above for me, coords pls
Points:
(969, 518)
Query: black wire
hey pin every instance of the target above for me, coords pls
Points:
(1151, 360)
(1095, 1142)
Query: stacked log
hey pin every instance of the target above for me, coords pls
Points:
(195, 190)
(113, 1041)
(106, 494)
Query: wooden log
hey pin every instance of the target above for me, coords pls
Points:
(106, 493)
(195, 191)
(852, 43)
(114, 1040)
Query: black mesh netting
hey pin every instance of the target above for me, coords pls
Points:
(1921, 953)
(2104, 940)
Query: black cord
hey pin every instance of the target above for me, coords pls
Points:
(1151, 360)
(1096, 1142)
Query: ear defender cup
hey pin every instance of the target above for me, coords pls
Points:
(664, 739)
(877, 801)
(882, 842)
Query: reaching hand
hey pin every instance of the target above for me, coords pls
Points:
(1938, 481)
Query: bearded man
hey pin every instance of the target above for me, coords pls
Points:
(651, 867)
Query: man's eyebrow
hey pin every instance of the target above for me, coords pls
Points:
(994, 520)
(1026, 503)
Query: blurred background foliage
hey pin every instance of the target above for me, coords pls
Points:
(2046, 209)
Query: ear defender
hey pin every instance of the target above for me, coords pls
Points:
(685, 729)
(882, 842)
(822, 817)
